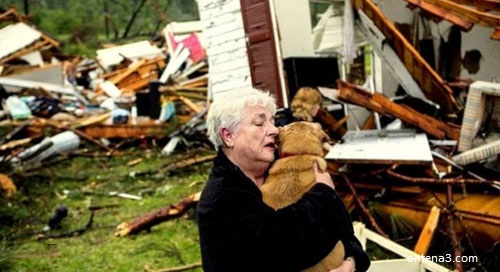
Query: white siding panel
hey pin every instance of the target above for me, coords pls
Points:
(227, 87)
(226, 47)
(240, 54)
(238, 74)
(226, 50)
(236, 35)
(15, 37)
(220, 29)
(221, 19)
(230, 66)
(213, 8)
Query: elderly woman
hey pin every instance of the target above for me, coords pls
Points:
(238, 231)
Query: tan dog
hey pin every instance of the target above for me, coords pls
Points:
(300, 145)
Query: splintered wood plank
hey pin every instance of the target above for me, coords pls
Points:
(470, 14)
(440, 93)
(377, 102)
(496, 34)
(425, 238)
(147, 128)
(481, 5)
(442, 13)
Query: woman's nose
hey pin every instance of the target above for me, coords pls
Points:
(273, 130)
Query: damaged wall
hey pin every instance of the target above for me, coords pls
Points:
(477, 38)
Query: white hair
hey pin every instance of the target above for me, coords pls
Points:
(227, 111)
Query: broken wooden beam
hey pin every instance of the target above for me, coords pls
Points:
(475, 16)
(362, 206)
(331, 124)
(147, 221)
(427, 233)
(143, 128)
(442, 181)
(443, 14)
(496, 34)
(74, 130)
(427, 78)
(377, 102)
(482, 5)
(455, 242)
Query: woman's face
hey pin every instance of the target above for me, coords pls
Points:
(254, 142)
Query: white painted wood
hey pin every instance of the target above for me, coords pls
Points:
(221, 29)
(180, 56)
(222, 24)
(293, 21)
(15, 37)
(364, 235)
(376, 146)
(229, 47)
(33, 58)
(230, 66)
(23, 83)
(394, 64)
(133, 51)
(278, 47)
(240, 74)
(395, 265)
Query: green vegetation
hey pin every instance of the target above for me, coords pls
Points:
(84, 26)
(81, 182)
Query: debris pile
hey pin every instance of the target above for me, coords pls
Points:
(421, 164)
(51, 101)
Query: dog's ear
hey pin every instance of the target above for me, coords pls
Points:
(322, 134)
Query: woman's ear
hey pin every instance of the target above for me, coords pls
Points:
(227, 137)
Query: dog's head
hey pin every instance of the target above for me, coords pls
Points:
(301, 138)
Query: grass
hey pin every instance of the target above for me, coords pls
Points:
(79, 182)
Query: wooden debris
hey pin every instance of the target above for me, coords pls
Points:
(450, 208)
(472, 15)
(174, 269)
(425, 239)
(443, 181)
(333, 126)
(13, 133)
(362, 206)
(76, 131)
(379, 103)
(136, 76)
(15, 143)
(7, 187)
(145, 222)
(427, 78)
(190, 104)
(143, 128)
(190, 161)
(134, 162)
(195, 82)
(478, 211)
(443, 13)
(40, 41)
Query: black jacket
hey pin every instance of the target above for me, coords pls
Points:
(239, 232)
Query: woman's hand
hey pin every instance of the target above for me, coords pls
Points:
(322, 177)
(346, 266)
